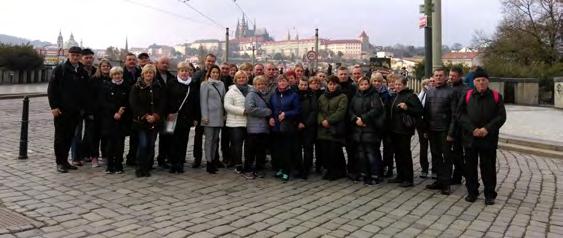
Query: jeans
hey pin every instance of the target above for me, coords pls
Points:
(145, 149)
(369, 158)
(255, 152)
(237, 139)
(77, 145)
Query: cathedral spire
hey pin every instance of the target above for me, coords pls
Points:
(288, 36)
(126, 44)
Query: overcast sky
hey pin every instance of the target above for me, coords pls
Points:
(102, 23)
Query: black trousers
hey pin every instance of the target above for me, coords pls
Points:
(423, 155)
(352, 162)
(237, 139)
(369, 156)
(90, 141)
(457, 159)
(441, 152)
(403, 156)
(65, 125)
(319, 164)
(133, 142)
(164, 147)
(114, 151)
(333, 156)
(255, 152)
(487, 160)
(179, 146)
(283, 151)
(305, 151)
(198, 144)
(225, 147)
(388, 151)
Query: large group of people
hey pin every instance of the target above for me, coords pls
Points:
(328, 123)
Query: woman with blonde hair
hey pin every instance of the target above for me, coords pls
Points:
(236, 117)
(147, 104)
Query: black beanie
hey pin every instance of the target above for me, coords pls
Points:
(480, 72)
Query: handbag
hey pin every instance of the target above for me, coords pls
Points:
(408, 121)
(172, 120)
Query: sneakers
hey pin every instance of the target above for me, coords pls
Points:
(285, 178)
(238, 169)
(279, 174)
(62, 169)
(108, 171)
(77, 163)
(95, 163)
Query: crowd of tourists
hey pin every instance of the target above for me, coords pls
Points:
(341, 124)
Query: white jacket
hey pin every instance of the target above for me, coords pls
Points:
(234, 107)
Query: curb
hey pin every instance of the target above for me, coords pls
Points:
(539, 147)
(21, 95)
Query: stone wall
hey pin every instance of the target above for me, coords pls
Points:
(25, 77)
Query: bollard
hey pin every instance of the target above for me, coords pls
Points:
(25, 123)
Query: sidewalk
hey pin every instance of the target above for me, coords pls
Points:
(534, 123)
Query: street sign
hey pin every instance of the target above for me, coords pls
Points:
(311, 55)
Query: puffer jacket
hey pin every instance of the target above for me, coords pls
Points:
(414, 109)
(440, 109)
(368, 106)
(258, 112)
(309, 109)
(288, 103)
(110, 98)
(234, 107)
(333, 108)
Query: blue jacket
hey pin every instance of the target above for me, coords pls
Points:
(289, 103)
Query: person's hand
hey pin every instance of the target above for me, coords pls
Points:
(121, 110)
(281, 116)
(402, 106)
(450, 139)
(56, 112)
(195, 123)
(483, 132)
(301, 125)
(359, 122)
(117, 116)
(204, 121)
(272, 122)
(425, 135)
(150, 119)
(476, 133)
(325, 124)
(171, 117)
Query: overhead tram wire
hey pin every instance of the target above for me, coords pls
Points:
(165, 12)
(202, 14)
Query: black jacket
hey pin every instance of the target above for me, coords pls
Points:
(481, 111)
(131, 78)
(414, 109)
(175, 94)
(144, 100)
(169, 77)
(67, 88)
(440, 109)
(110, 98)
(369, 107)
(95, 85)
(309, 109)
(348, 88)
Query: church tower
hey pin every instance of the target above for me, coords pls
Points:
(60, 42)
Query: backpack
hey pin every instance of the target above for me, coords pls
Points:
(496, 95)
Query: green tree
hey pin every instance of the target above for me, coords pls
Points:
(19, 57)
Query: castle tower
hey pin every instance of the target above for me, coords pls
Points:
(364, 38)
(126, 44)
(60, 42)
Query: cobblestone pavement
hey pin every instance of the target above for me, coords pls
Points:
(89, 203)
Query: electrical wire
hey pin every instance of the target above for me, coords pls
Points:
(201, 13)
(164, 11)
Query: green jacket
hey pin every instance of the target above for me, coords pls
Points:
(332, 108)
